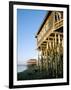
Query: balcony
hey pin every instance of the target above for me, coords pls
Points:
(55, 26)
(58, 24)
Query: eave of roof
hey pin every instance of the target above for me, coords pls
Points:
(45, 19)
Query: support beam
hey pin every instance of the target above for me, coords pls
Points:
(58, 38)
(55, 38)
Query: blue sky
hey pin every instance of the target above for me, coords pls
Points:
(28, 23)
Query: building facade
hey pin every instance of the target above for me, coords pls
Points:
(32, 62)
(50, 44)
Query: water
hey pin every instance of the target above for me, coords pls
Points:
(21, 68)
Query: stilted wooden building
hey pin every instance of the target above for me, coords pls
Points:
(50, 44)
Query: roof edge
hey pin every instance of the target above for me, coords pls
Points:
(46, 17)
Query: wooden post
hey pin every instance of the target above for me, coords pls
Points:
(50, 44)
(59, 38)
(46, 47)
(47, 56)
(57, 16)
(55, 56)
(62, 42)
(55, 39)
(39, 60)
(53, 43)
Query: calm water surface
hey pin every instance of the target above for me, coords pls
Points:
(21, 68)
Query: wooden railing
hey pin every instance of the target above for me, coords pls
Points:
(57, 25)
(44, 37)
